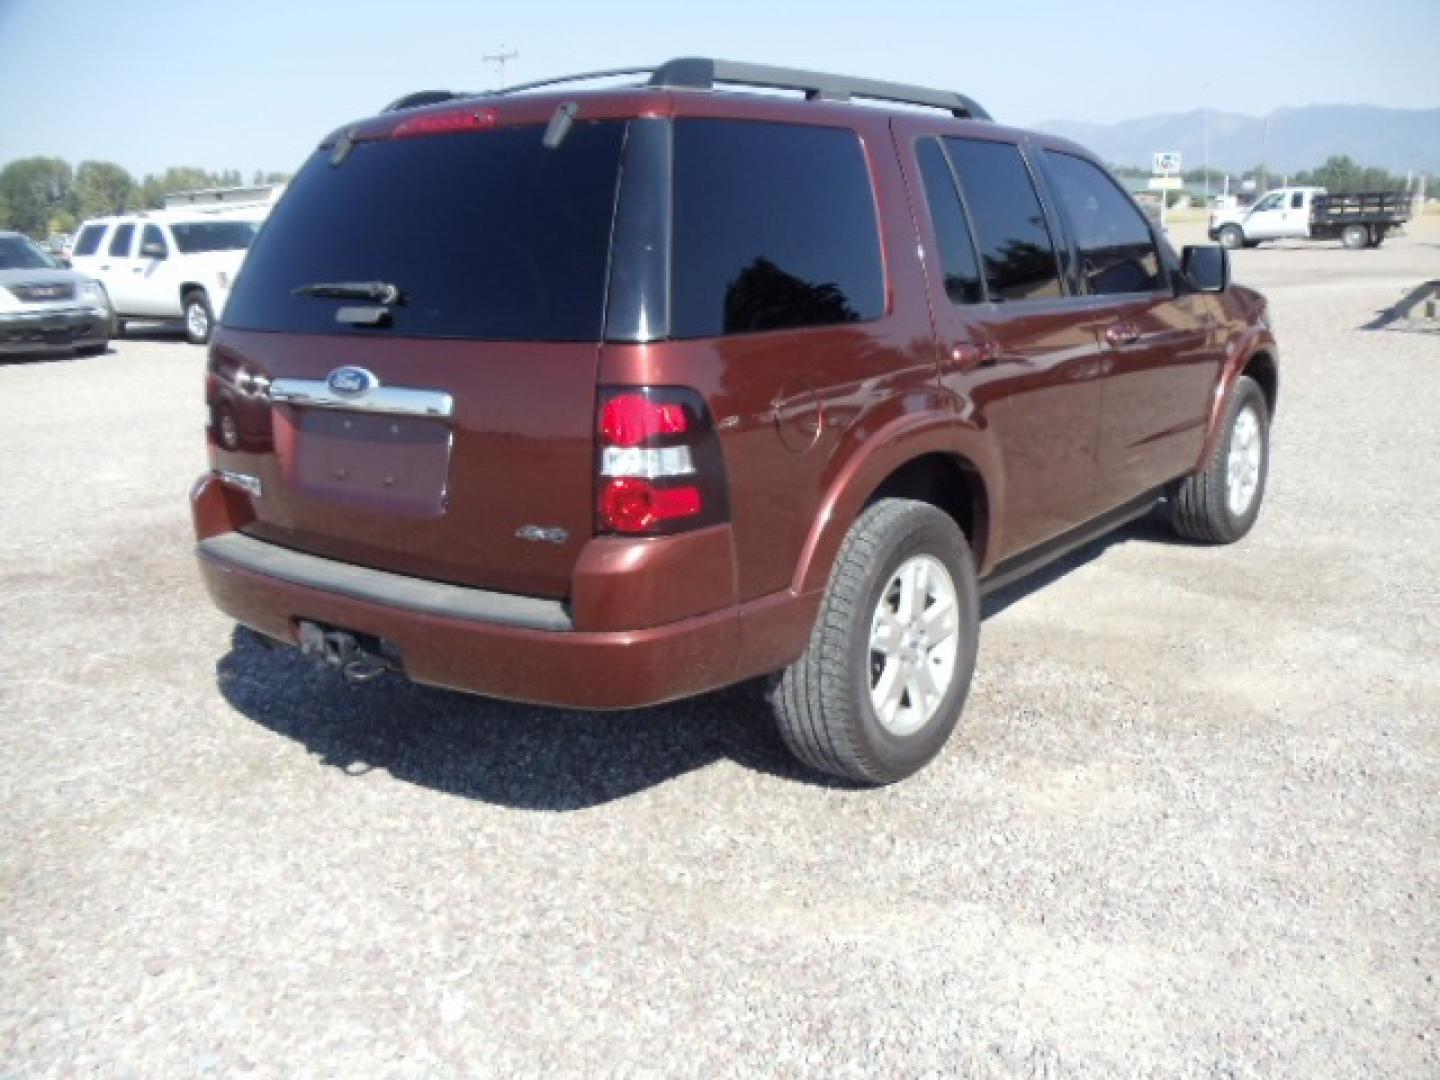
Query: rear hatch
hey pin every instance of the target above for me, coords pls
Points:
(437, 420)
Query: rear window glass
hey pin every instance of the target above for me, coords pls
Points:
(195, 236)
(488, 235)
(1015, 243)
(774, 228)
(88, 242)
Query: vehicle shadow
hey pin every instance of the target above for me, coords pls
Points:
(522, 756)
(530, 757)
(1151, 529)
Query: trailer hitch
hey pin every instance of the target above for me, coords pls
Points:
(357, 659)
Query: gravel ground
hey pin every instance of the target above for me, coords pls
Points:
(1189, 825)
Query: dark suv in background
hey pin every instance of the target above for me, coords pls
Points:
(606, 398)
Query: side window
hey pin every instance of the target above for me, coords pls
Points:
(88, 242)
(1270, 202)
(153, 235)
(1297, 200)
(1015, 243)
(1117, 252)
(120, 240)
(774, 228)
(957, 251)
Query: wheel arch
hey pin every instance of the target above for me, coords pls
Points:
(933, 458)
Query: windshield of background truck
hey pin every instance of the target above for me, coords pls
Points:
(196, 236)
(18, 253)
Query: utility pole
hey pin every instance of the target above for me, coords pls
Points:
(499, 60)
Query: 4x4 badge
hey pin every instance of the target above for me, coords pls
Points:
(351, 381)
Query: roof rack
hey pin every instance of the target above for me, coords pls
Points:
(704, 73)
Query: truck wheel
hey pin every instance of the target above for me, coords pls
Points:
(1219, 504)
(198, 317)
(1232, 237)
(882, 683)
(1355, 236)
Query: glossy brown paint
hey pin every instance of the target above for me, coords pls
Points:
(1054, 417)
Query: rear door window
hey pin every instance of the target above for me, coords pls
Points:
(488, 235)
(957, 251)
(1015, 244)
(1117, 252)
(153, 235)
(774, 228)
(88, 242)
(120, 240)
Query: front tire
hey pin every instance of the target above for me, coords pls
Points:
(1219, 504)
(882, 683)
(198, 317)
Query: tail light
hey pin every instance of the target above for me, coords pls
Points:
(660, 466)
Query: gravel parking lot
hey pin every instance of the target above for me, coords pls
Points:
(1189, 826)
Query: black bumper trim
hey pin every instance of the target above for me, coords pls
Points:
(382, 587)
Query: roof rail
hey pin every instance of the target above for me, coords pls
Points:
(704, 73)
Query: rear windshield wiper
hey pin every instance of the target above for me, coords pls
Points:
(382, 292)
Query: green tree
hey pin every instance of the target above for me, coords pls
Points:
(101, 188)
(34, 190)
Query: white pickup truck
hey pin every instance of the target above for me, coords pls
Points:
(167, 264)
(1311, 213)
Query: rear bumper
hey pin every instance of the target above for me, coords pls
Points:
(41, 330)
(489, 643)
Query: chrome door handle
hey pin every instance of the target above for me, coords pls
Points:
(1122, 334)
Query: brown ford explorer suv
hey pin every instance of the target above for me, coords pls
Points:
(606, 398)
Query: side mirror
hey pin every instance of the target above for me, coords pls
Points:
(1207, 266)
(153, 251)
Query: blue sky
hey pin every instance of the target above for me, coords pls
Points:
(255, 83)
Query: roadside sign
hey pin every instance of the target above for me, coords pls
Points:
(1167, 163)
(1165, 183)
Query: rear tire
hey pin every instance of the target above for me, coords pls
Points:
(881, 685)
(1219, 504)
(1355, 237)
(198, 317)
(1231, 237)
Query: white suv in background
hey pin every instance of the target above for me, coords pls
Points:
(167, 264)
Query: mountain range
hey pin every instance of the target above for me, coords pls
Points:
(1394, 139)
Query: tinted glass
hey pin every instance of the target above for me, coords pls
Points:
(1015, 243)
(20, 253)
(487, 235)
(774, 228)
(153, 235)
(120, 241)
(193, 236)
(88, 242)
(1117, 252)
(957, 251)
(1270, 202)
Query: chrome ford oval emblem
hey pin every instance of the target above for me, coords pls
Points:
(351, 381)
